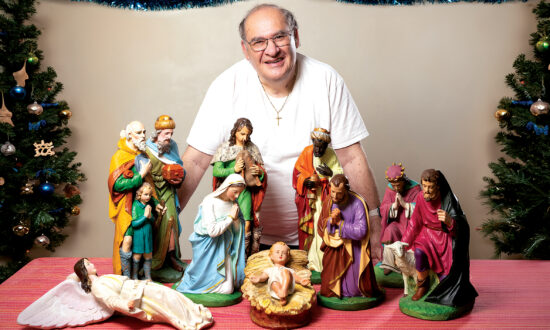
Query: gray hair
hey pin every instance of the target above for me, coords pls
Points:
(289, 17)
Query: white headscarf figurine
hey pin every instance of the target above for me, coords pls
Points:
(218, 244)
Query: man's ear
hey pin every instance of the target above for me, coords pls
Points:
(245, 52)
(296, 38)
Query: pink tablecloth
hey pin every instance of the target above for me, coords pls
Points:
(512, 294)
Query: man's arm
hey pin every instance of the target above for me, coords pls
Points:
(356, 168)
(195, 163)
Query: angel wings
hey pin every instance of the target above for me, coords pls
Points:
(66, 305)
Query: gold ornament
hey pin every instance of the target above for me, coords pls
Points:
(502, 114)
(42, 240)
(5, 114)
(21, 75)
(35, 108)
(2, 181)
(27, 189)
(20, 229)
(75, 210)
(65, 114)
(539, 108)
(43, 149)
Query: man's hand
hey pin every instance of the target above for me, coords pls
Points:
(444, 217)
(147, 212)
(146, 167)
(335, 216)
(160, 209)
(400, 200)
(239, 165)
(324, 170)
(309, 184)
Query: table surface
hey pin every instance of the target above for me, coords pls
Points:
(512, 294)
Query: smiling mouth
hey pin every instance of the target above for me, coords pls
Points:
(274, 61)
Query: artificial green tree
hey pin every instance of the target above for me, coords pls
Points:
(519, 192)
(38, 175)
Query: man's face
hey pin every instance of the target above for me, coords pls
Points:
(163, 140)
(242, 136)
(165, 135)
(398, 185)
(319, 147)
(338, 194)
(137, 135)
(430, 190)
(274, 64)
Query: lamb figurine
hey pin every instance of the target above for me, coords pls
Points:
(404, 262)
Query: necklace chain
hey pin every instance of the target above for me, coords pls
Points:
(272, 105)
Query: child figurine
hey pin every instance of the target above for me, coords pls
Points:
(142, 220)
(280, 279)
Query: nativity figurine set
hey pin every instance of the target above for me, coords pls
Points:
(424, 240)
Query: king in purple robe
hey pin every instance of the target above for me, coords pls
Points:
(343, 225)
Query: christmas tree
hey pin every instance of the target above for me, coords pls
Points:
(519, 193)
(38, 176)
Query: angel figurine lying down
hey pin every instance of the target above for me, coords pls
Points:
(84, 298)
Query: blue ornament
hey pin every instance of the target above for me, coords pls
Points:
(18, 92)
(46, 189)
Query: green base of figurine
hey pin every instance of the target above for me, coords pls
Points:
(429, 311)
(350, 303)
(392, 280)
(213, 299)
(315, 277)
(421, 309)
(168, 274)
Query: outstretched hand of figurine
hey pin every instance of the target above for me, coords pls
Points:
(305, 281)
(324, 170)
(258, 278)
(145, 168)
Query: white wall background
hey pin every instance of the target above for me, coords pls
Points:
(427, 79)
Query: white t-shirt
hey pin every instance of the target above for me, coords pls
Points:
(319, 98)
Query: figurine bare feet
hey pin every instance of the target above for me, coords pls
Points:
(174, 261)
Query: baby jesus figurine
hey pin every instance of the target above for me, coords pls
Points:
(280, 279)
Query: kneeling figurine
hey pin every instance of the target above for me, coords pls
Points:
(439, 235)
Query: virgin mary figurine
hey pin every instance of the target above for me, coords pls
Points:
(218, 242)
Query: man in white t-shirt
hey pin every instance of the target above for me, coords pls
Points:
(285, 95)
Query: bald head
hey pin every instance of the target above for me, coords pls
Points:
(135, 135)
(287, 15)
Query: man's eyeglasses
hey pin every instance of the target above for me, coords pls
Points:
(280, 40)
